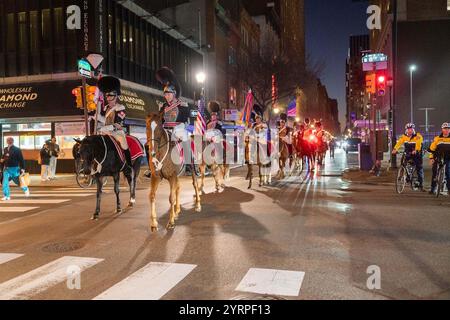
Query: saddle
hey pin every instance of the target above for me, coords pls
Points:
(136, 148)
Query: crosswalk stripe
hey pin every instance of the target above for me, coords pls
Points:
(271, 281)
(148, 283)
(6, 257)
(87, 189)
(37, 201)
(33, 195)
(42, 278)
(17, 209)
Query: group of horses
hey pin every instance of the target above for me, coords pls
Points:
(100, 158)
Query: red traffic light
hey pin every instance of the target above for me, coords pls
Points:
(381, 79)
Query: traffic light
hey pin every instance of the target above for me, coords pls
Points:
(381, 84)
(370, 83)
(90, 98)
(77, 92)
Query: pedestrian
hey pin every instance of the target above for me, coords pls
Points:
(54, 154)
(332, 146)
(45, 154)
(13, 167)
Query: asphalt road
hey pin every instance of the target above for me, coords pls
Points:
(306, 237)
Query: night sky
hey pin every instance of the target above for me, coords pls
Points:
(329, 24)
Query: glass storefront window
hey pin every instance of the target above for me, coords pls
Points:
(26, 142)
(40, 141)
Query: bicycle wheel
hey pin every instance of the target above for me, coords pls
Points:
(440, 181)
(84, 180)
(414, 180)
(400, 182)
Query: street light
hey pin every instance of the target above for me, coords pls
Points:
(412, 68)
(201, 77)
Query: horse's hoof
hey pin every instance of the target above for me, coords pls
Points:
(154, 229)
(118, 211)
(94, 217)
(198, 209)
(170, 226)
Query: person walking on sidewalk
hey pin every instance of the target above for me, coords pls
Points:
(413, 149)
(441, 146)
(54, 154)
(45, 163)
(14, 166)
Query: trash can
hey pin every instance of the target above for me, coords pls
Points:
(365, 157)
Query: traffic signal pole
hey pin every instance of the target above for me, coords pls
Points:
(83, 97)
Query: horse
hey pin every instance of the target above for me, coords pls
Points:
(100, 157)
(219, 169)
(284, 155)
(161, 149)
(264, 169)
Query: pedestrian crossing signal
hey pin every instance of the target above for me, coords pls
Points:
(370, 83)
(78, 97)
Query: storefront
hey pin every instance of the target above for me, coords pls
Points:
(31, 115)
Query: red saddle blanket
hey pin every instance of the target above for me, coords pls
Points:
(134, 145)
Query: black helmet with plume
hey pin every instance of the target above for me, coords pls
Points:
(109, 84)
(167, 78)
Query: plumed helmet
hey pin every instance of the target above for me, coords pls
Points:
(167, 78)
(109, 84)
(283, 116)
(213, 107)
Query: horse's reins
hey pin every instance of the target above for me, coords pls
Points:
(157, 164)
(99, 164)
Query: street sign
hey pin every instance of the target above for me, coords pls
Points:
(95, 59)
(84, 68)
(375, 61)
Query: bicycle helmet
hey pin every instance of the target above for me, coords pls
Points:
(410, 126)
(445, 125)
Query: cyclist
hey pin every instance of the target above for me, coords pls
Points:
(413, 149)
(441, 145)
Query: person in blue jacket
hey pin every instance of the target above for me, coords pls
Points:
(13, 167)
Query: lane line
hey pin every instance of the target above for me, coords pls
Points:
(151, 282)
(17, 209)
(37, 201)
(272, 281)
(40, 279)
(6, 257)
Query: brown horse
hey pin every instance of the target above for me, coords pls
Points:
(162, 167)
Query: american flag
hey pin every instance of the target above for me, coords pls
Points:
(200, 123)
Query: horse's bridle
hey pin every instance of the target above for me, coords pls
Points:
(99, 164)
(158, 163)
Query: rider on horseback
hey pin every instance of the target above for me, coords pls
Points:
(112, 116)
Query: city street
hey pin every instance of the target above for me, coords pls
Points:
(305, 237)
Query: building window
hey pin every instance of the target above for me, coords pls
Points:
(10, 34)
(118, 33)
(22, 31)
(130, 41)
(59, 27)
(46, 28)
(34, 34)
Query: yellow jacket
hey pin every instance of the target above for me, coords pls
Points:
(441, 142)
(413, 143)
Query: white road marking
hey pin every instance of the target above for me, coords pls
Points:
(42, 278)
(5, 257)
(151, 282)
(273, 282)
(54, 195)
(38, 201)
(17, 209)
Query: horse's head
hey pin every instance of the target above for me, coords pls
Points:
(153, 121)
(87, 153)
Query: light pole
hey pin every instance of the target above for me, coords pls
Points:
(201, 77)
(412, 68)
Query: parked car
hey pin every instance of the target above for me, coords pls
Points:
(351, 144)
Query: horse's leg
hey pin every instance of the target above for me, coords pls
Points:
(217, 172)
(177, 198)
(153, 218)
(226, 172)
(132, 181)
(172, 197)
(99, 196)
(116, 178)
(202, 168)
(249, 175)
(197, 206)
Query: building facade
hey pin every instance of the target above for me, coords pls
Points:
(38, 66)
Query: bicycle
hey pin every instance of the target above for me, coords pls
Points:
(440, 177)
(407, 173)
